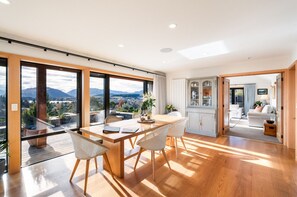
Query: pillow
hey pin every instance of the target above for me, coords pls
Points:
(258, 109)
(266, 109)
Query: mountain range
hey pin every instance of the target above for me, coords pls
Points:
(99, 92)
(58, 94)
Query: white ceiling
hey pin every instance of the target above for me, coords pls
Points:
(257, 29)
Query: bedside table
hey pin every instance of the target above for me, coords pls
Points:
(269, 129)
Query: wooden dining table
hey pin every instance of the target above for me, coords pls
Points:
(117, 154)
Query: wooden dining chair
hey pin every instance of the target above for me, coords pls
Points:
(154, 141)
(86, 149)
(110, 119)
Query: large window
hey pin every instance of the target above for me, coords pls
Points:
(125, 96)
(51, 102)
(3, 106)
(97, 98)
(112, 95)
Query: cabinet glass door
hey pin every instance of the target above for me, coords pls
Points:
(207, 93)
(194, 91)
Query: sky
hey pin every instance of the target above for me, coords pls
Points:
(66, 81)
(2, 78)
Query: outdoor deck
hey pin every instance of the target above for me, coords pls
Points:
(57, 145)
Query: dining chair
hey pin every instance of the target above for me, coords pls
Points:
(175, 113)
(154, 141)
(177, 130)
(110, 119)
(86, 149)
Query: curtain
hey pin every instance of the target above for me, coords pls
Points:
(159, 92)
(249, 97)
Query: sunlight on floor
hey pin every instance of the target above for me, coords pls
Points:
(214, 145)
(36, 184)
(262, 162)
(151, 186)
(180, 168)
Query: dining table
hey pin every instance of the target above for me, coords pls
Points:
(115, 142)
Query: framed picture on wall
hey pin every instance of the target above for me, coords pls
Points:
(262, 91)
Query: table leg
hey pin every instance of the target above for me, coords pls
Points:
(115, 156)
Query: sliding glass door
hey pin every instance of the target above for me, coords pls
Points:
(51, 102)
(125, 97)
(97, 98)
(3, 106)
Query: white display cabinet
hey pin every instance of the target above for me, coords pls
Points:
(202, 106)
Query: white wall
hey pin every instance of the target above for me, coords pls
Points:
(261, 81)
(240, 67)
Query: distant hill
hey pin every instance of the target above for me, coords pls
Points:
(2, 90)
(98, 92)
(53, 93)
(93, 92)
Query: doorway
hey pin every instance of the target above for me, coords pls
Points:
(255, 109)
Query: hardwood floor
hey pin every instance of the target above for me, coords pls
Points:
(224, 166)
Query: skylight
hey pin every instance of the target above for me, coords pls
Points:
(5, 2)
(206, 50)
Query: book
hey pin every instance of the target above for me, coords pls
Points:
(129, 129)
(109, 129)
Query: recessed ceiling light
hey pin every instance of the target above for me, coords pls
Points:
(164, 62)
(249, 58)
(5, 2)
(121, 45)
(206, 50)
(172, 26)
(166, 50)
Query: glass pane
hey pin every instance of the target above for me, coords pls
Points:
(29, 77)
(3, 107)
(194, 93)
(207, 93)
(61, 99)
(97, 112)
(57, 145)
(239, 97)
(125, 97)
(150, 87)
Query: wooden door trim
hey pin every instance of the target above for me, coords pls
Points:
(221, 95)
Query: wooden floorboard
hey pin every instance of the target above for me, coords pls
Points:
(224, 166)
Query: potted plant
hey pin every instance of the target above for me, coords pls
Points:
(257, 104)
(3, 147)
(170, 108)
(148, 104)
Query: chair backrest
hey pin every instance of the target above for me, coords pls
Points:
(156, 140)
(177, 129)
(110, 119)
(85, 148)
(175, 113)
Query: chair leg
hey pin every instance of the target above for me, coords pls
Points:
(153, 163)
(176, 146)
(74, 169)
(135, 140)
(96, 165)
(108, 164)
(138, 156)
(181, 138)
(86, 176)
(131, 142)
(164, 154)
